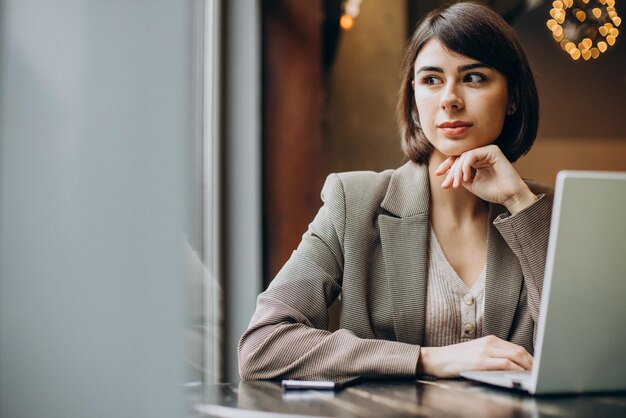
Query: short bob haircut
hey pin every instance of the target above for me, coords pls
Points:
(476, 31)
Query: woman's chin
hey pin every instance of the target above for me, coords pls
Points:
(452, 151)
(456, 149)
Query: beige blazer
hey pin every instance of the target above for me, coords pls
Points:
(368, 244)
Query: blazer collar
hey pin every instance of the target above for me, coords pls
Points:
(408, 193)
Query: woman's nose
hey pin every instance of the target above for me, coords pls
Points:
(451, 100)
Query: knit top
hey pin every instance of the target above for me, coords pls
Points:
(454, 312)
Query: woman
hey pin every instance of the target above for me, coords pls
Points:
(439, 263)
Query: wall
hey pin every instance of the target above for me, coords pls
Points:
(292, 105)
(362, 90)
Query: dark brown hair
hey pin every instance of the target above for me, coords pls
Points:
(476, 31)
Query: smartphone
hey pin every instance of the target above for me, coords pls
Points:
(318, 384)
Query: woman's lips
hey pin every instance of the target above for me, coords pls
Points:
(454, 129)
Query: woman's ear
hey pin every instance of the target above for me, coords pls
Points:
(512, 109)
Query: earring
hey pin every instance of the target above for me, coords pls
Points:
(512, 109)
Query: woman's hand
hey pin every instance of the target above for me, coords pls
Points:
(487, 173)
(486, 353)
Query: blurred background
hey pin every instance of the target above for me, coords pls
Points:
(160, 160)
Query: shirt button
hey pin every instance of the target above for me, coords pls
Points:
(469, 329)
(468, 299)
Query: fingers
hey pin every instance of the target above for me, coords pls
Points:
(445, 166)
(514, 354)
(459, 171)
(505, 353)
(462, 170)
(451, 179)
(468, 169)
(451, 164)
(502, 364)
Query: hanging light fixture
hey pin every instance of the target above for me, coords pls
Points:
(584, 28)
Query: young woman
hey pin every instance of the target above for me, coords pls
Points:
(439, 264)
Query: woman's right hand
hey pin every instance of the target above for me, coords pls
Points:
(486, 353)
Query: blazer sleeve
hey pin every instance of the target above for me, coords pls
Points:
(287, 336)
(527, 233)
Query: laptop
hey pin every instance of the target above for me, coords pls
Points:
(581, 336)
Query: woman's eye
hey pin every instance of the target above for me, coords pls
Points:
(474, 78)
(431, 80)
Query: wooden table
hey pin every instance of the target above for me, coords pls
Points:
(440, 398)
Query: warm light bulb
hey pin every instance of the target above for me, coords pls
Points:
(558, 30)
(346, 22)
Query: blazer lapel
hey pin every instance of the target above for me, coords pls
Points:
(404, 232)
(406, 263)
(503, 282)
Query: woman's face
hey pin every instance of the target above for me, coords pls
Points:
(461, 102)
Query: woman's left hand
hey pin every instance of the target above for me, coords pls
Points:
(487, 173)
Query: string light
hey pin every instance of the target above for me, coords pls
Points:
(346, 22)
(584, 28)
(351, 9)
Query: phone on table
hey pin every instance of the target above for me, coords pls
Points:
(318, 384)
